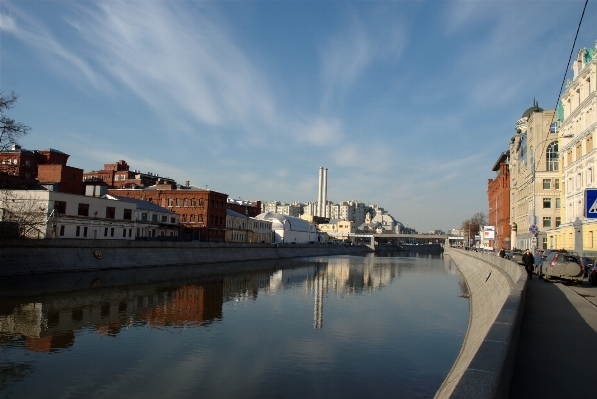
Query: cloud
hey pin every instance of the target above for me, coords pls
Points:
(320, 132)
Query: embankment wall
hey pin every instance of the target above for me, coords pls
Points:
(496, 286)
(51, 256)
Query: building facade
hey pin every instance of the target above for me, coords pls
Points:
(498, 196)
(202, 212)
(534, 179)
(577, 114)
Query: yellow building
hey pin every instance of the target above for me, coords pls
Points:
(577, 113)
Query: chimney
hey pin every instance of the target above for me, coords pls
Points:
(325, 192)
(187, 183)
(319, 194)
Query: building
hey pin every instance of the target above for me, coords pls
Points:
(577, 114)
(21, 168)
(243, 229)
(119, 175)
(151, 220)
(202, 212)
(498, 196)
(534, 179)
(247, 208)
(51, 214)
(289, 229)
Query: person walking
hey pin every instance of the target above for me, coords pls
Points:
(528, 260)
(502, 253)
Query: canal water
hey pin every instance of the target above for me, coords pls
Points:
(373, 326)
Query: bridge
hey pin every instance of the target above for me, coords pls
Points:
(371, 239)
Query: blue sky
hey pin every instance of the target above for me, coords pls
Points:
(407, 103)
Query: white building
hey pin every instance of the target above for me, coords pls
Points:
(151, 220)
(51, 214)
(289, 229)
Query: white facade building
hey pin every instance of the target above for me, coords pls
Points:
(289, 229)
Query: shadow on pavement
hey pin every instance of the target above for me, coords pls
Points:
(557, 348)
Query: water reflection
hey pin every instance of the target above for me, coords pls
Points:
(53, 322)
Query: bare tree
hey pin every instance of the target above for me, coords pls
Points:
(23, 213)
(471, 227)
(10, 130)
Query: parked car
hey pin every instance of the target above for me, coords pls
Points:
(563, 266)
(587, 264)
(539, 263)
(592, 275)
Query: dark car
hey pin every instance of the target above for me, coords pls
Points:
(563, 266)
(587, 264)
(592, 275)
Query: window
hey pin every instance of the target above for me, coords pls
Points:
(547, 221)
(172, 220)
(154, 217)
(547, 184)
(552, 156)
(589, 175)
(124, 232)
(546, 203)
(201, 202)
(578, 151)
(85, 231)
(106, 232)
(62, 231)
(112, 232)
(144, 216)
(186, 203)
(184, 218)
(557, 184)
(177, 202)
(60, 207)
(170, 201)
(164, 219)
(192, 218)
(193, 202)
(558, 203)
(128, 214)
(558, 221)
(27, 163)
(83, 210)
(110, 212)
(78, 231)
(200, 219)
(130, 232)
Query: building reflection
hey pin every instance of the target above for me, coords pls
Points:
(51, 324)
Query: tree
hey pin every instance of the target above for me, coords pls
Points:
(472, 226)
(11, 130)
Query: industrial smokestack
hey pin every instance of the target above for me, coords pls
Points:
(325, 192)
(319, 192)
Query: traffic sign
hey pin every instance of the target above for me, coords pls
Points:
(533, 229)
(591, 203)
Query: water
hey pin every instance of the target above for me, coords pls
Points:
(330, 327)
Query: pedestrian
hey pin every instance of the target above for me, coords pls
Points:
(528, 260)
(502, 253)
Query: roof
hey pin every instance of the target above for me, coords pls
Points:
(530, 111)
(230, 212)
(501, 159)
(141, 204)
(296, 224)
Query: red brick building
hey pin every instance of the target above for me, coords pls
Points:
(202, 211)
(22, 168)
(246, 208)
(119, 175)
(498, 196)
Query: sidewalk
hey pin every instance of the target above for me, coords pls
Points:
(557, 349)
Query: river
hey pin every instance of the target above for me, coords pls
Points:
(372, 326)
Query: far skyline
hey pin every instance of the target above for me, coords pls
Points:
(408, 104)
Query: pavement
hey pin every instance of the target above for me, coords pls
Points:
(557, 348)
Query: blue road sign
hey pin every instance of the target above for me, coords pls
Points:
(533, 229)
(591, 203)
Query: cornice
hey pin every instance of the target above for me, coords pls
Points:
(581, 75)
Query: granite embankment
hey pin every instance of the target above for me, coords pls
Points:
(484, 366)
(51, 256)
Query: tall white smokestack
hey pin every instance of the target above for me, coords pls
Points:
(319, 194)
(325, 192)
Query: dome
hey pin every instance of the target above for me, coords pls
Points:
(530, 111)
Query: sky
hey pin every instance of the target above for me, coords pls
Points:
(408, 104)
